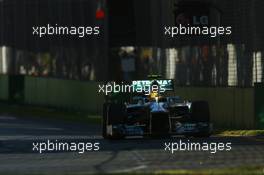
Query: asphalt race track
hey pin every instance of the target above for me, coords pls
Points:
(134, 154)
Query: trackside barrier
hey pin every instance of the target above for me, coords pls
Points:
(63, 94)
(4, 92)
(229, 107)
(259, 104)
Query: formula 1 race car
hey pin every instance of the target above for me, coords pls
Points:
(154, 114)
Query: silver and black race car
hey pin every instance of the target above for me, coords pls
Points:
(156, 116)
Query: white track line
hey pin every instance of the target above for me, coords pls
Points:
(130, 169)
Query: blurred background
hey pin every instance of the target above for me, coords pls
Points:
(132, 31)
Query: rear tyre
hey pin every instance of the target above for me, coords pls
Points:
(200, 113)
(114, 114)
